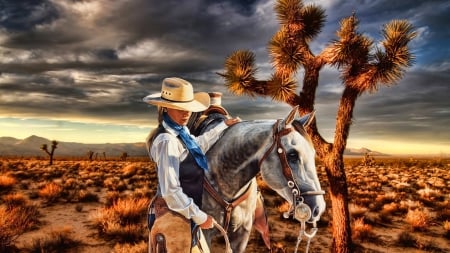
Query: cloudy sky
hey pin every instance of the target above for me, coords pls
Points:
(77, 70)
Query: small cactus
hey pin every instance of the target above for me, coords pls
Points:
(50, 153)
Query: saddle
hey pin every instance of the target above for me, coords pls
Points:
(198, 124)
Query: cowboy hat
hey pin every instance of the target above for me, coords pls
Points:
(177, 93)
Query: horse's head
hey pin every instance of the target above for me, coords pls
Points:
(288, 167)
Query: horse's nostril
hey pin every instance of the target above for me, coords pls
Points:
(316, 211)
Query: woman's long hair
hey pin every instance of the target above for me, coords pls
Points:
(151, 136)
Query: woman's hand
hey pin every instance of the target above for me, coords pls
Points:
(232, 121)
(208, 223)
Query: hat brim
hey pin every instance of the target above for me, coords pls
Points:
(200, 103)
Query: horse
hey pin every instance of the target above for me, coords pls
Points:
(280, 151)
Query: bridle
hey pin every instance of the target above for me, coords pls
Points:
(299, 210)
(286, 168)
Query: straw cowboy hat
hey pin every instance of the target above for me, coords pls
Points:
(177, 93)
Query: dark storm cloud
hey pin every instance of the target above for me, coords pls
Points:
(97, 59)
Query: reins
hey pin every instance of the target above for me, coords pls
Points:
(228, 206)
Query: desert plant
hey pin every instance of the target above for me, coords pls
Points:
(418, 219)
(124, 156)
(90, 155)
(362, 67)
(406, 239)
(357, 211)
(141, 247)
(50, 192)
(446, 226)
(15, 199)
(123, 219)
(7, 182)
(51, 152)
(14, 222)
(362, 231)
(87, 196)
(58, 240)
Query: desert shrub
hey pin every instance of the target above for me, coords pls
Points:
(406, 239)
(417, 219)
(129, 170)
(279, 247)
(390, 208)
(123, 219)
(111, 197)
(14, 222)
(50, 192)
(357, 211)
(446, 226)
(87, 196)
(15, 199)
(58, 240)
(130, 210)
(7, 182)
(141, 247)
(362, 231)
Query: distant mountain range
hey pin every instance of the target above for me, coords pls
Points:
(31, 146)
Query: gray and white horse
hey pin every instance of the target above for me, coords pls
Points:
(284, 155)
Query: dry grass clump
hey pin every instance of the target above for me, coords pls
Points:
(446, 226)
(123, 220)
(406, 239)
(15, 199)
(7, 182)
(87, 196)
(57, 240)
(15, 221)
(357, 211)
(129, 170)
(279, 247)
(418, 219)
(50, 192)
(141, 247)
(362, 231)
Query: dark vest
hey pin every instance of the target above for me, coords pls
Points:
(191, 175)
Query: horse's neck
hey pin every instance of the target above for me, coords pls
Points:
(235, 156)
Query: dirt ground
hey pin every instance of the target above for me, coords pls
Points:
(283, 232)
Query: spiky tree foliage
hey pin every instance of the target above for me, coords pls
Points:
(362, 66)
(51, 152)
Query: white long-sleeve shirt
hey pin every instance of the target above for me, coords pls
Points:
(168, 152)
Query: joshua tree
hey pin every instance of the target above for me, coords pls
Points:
(50, 154)
(124, 156)
(90, 155)
(362, 68)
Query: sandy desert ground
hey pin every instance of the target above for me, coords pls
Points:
(397, 205)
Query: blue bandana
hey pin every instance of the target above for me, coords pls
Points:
(188, 141)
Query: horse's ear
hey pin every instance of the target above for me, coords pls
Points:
(307, 119)
(288, 120)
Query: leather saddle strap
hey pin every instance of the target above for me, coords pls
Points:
(228, 206)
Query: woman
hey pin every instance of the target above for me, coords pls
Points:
(181, 165)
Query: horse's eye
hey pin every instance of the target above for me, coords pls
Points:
(292, 156)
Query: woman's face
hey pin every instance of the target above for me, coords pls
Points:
(179, 116)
